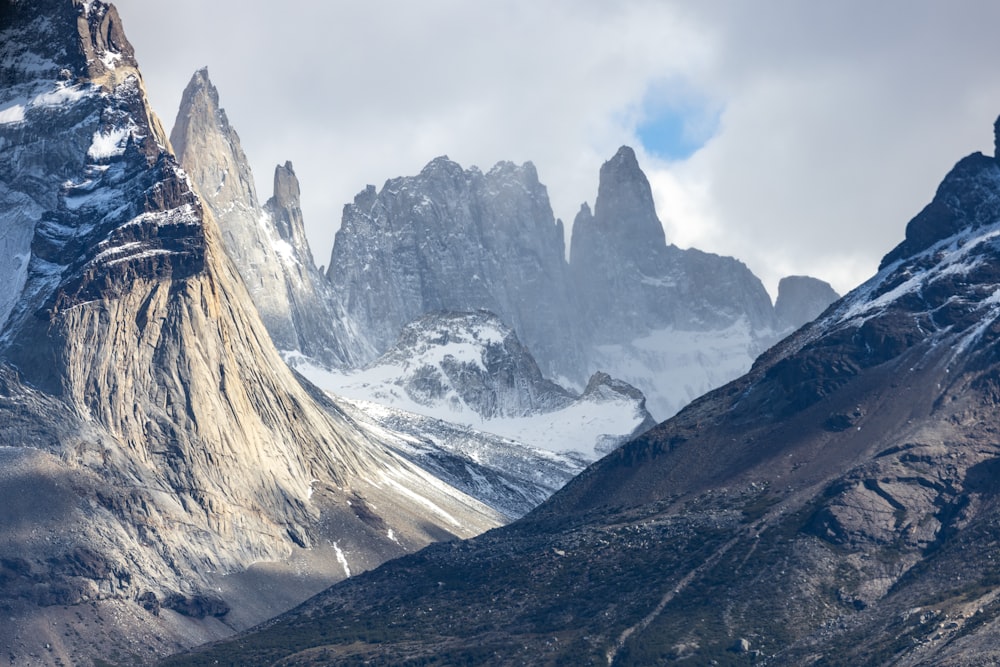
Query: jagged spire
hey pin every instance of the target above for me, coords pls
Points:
(624, 203)
(996, 138)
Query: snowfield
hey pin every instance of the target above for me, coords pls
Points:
(587, 427)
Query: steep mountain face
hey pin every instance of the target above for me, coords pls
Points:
(674, 323)
(836, 505)
(633, 282)
(801, 299)
(450, 239)
(267, 243)
(471, 369)
(154, 444)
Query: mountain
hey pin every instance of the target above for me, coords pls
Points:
(674, 323)
(450, 239)
(836, 505)
(165, 477)
(801, 299)
(266, 242)
(633, 282)
(471, 369)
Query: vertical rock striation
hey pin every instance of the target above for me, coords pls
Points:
(458, 240)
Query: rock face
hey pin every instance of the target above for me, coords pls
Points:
(672, 322)
(471, 369)
(801, 299)
(468, 361)
(155, 445)
(267, 243)
(835, 505)
(450, 239)
(632, 282)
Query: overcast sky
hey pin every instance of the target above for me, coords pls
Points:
(797, 136)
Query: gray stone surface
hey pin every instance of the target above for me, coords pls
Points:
(460, 240)
(801, 299)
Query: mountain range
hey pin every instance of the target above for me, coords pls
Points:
(672, 322)
(170, 475)
(836, 505)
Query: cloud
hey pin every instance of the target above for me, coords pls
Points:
(829, 124)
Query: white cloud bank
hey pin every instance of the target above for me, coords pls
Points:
(837, 119)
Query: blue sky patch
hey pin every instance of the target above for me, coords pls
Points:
(675, 121)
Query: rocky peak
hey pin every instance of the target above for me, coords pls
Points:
(624, 206)
(210, 150)
(841, 497)
(802, 299)
(286, 186)
(623, 230)
(443, 167)
(286, 210)
(268, 244)
(454, 239)
(102, 38)
(146, 383)
(967, 199)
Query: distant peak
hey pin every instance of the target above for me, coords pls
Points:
(286, 184)
(625, 157)
(583, 214)
(996, 138)
(199, 87)
(625, 201)
(442, 164)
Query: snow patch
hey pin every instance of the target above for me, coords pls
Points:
(584, 427)
(285, 251)
(63, 94)
(110, 59)
(342, 559)
(12, 114)
(14, 110)
(108, 144)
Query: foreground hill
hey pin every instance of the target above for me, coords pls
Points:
(835, 506)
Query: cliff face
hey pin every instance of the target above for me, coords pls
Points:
(266, 242)
(673, 323)
(154, 441)
(801, 299)
(633, 282)
(458, 240)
